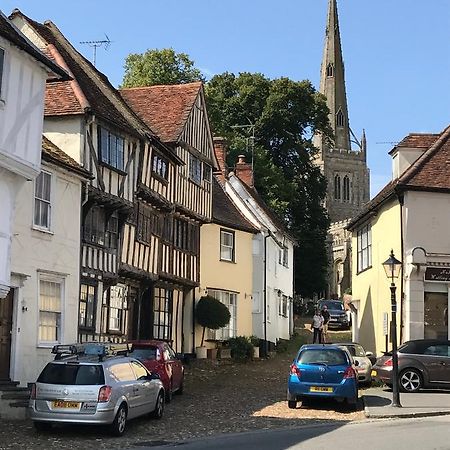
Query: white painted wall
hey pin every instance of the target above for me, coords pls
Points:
(56, 253)
(21, 113)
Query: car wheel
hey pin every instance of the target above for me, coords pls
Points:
(158, 412)
(120, 421)
(410, 380)
(292, 404)
(42, 427)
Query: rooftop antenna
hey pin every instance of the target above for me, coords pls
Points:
(249, 128)
(95, 44)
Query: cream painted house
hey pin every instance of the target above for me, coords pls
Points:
(45, 262)
(411, 216)
(226, 267)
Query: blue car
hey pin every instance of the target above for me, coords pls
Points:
(322, 371)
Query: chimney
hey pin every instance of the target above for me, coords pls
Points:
(244, 171)
(220, 150)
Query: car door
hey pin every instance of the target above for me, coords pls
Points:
(122, 373)
(146, 389)
(168, 366)
(177, 368)
(437, 363)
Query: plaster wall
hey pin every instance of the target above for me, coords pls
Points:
(227, 276)
(35, 253)
(370, 287)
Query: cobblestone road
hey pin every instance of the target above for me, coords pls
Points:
(217, 399)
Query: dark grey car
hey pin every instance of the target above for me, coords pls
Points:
(338, 316)
(423, 363)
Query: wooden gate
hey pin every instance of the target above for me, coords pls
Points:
(6, 310)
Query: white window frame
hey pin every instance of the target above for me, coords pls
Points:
(283, 305)
(2, 74)
(226, 297)
(223, 246)
(283, 256)
(51, 278)
(195, 169)
(49, 202)
(364, 248)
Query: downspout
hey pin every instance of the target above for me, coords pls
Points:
(401, 200)
(266, 344)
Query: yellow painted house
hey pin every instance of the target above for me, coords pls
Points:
(226, 267)
(411, 216)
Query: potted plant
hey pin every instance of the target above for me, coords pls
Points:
(256, 341)
(210, 313)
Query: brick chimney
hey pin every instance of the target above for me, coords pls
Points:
(220, 150)
(244, 171)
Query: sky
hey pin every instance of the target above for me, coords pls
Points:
(396, 52)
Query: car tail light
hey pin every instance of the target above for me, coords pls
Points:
(33, 392)
(104, 394)
(295, 370)
(349, 373)
(388, 362)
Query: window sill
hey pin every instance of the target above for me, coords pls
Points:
(227, 261)
(115, 169)
(47, 345)
(364, 270)
(197, 183)
(42, 230)
(160, 178)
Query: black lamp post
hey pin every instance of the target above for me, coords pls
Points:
(392, 268)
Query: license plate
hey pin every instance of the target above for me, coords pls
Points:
(65, 405)
(320, 389)
(373, 373)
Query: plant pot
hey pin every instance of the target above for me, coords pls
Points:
(212, 353)
(255, 352)
(201, 352)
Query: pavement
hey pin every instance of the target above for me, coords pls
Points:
(428, 402)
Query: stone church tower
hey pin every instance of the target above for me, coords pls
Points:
(344, 162)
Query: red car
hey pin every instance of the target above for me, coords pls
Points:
(159, 357)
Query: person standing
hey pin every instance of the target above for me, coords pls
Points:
(316, 326)
(326, 318)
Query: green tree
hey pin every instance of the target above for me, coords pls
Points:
(211, 313)
(285, 115)
(159, 67)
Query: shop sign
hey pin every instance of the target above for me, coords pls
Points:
(437, 274)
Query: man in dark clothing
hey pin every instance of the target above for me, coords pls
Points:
(326, 318)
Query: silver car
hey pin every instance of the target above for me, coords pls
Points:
(94, 386)
(364, 366)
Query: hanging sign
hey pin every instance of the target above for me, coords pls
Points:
(437, 274)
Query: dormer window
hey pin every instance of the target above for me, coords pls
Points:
(2, 62)
(340, 119)
(330, 70)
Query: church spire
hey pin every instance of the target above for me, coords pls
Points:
(332, 80)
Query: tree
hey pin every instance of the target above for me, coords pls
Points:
(159, 67)
(285, 115)
(211, 313)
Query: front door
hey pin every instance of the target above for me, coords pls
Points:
(6, 310)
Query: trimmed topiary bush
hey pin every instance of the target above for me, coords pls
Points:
(211, 313)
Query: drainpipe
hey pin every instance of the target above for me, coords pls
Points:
(401, 200)
(266, 344)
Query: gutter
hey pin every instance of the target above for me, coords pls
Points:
(266, 344)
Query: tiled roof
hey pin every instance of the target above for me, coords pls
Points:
(52, 153)
(60, 99)
(165, 109)
(13, 35)
(429, 172)
(226, 213)
(90, 86)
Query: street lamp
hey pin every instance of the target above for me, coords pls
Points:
(392, 268)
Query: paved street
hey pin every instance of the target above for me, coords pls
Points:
(400, 434)
(228, 398)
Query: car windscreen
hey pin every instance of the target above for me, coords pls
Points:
(144, 353)
(72, 374)
(330, 357)
(355, 350)
(333, 305)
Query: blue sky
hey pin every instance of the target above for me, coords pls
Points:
(396, 52)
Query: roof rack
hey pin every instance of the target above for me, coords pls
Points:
(100, 349)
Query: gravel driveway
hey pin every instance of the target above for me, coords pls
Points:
(229, 397)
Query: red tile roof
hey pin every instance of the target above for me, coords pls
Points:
(60, 99)
(52, 153)
(165, 109)
(430, 172)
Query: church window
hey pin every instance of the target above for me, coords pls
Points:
(330, 70)
(337, 187)
(346, 189)
(340, 118)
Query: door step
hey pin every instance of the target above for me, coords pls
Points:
(13, 400)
